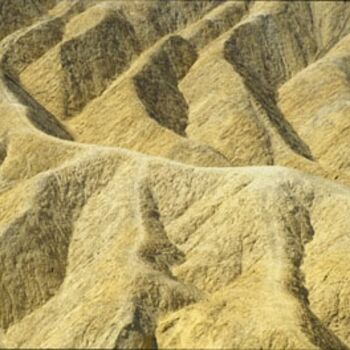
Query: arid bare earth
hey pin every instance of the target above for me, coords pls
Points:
(174, 174)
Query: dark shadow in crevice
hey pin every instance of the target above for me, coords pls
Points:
(40, 117)
(265, 96)
(157, 84)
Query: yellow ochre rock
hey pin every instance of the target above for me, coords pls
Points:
(174, 174)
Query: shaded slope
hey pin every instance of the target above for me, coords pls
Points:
(69, 80)
(320, 115)
(38, 115)
(15, 15)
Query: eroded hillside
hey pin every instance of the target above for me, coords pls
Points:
(174, 174)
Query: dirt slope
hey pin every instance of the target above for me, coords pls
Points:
(174, 174)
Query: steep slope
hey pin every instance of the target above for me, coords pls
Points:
(17, 14)
(174, 174)
(161, 208)
(321, 119)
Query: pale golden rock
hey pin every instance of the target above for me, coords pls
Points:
(174, 174)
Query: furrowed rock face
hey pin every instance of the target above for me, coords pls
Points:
(174, 174)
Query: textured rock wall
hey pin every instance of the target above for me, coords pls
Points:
(174, 174)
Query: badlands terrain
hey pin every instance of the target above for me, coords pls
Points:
(174, 174)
